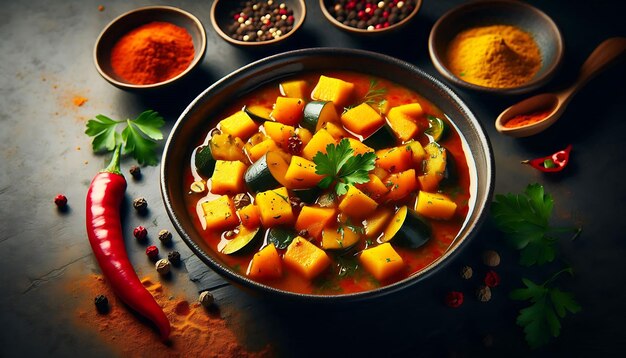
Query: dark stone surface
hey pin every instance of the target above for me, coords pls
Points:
(46, 60)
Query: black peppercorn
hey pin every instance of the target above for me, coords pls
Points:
(165, 236)
(370, 14)
(140, 204)
(135, 171)
(102, 304)
(174, 258)
(255, 21)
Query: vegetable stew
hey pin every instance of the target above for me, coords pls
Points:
(328, 184)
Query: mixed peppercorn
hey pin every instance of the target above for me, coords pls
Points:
(257, 21)
(371, 14)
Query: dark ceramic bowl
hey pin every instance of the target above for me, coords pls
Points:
(498, 12)
(138, 17)
(222, 17)
(326, 4)
(193, 123)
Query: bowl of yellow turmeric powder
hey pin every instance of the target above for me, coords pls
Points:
(496, 46)
(149, 48)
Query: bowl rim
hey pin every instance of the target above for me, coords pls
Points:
(197, 59)
(406, 20)
(481, 208)
(439, 63)
(223, 35)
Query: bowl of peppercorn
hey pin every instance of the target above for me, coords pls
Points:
(257, 22)
(370, 17)
(149, 48)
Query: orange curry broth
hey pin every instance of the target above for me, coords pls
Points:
(331, 282)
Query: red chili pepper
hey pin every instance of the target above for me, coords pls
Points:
(551, 163)
(104, 230)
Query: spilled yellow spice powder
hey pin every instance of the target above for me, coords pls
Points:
(498, 56)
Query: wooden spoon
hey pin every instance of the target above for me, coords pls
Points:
(605, 54)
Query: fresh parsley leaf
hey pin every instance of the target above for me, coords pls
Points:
(102, 128)
(525, 220)
(541, 319)
(138, 138)
(341, 167)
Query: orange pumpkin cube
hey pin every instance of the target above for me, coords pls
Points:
(356, 204)
(333, 89)
(301, 173)
(275, 207)
(382, 261)
(220, 213)
(401, 184)
(435, 206)
(228, 177)
(266, 264)
(313, 219)
(362, 119)
(239, 125)
(318, 143)
(306, 258)
(288, 110)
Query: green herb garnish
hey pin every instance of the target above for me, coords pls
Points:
(525, 220)
(341, 167)
(359, 230)
(138, 138)
(541, 319)
(375, 96)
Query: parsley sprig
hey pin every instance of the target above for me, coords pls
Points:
(341, 167)
(541, 319)
(525, 219)
(138, 138)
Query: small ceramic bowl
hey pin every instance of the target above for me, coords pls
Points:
(326, 5)
(222, 17)
(138, 17)
(498, 12)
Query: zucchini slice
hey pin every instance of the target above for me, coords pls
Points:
(437, 129)
(266, 173)
(436, 159)
(317, 114)
(384, 137)
(258, 113)
(308, 195)
(204, 161)
(407, 228)
(281, 237)
(243, 241)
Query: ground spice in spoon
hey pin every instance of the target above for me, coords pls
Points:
(152, 53)
(527, 118)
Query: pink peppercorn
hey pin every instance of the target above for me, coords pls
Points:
(60, 201)
(140, 233)
(152, 252)
(454, 299)
(492, 279)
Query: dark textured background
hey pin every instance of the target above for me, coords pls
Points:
(46, 60)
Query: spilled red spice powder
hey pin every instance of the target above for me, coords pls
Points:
(79, 100)
(195, 331)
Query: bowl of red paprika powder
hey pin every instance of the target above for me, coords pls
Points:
(150, 47)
